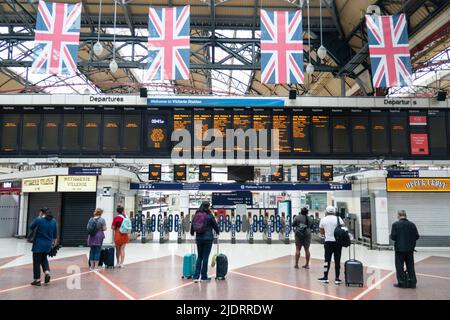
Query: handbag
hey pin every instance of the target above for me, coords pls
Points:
(54, 250)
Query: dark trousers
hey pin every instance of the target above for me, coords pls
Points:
(332, 248)
(402, 258)
(204, 249)
(39, 260)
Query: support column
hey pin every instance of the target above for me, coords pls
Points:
(343, 90)
(296, 202)
(381, 218)
(23, 214)
(184, 202)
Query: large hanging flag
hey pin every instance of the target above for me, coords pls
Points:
(57, 37)
(389, 51)
(168, 43)
(281, 47)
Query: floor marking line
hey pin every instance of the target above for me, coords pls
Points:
(115, 286)
(288, 286)
(52, 280)
(168, 290)
(379, 282)
(432, 276)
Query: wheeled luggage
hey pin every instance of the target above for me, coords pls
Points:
(221, 264)
(107, 257)
(189, 261)
(354, 271)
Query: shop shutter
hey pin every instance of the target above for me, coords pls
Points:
(51, 200)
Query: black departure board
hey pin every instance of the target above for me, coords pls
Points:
(203, 121)
(9, 132)
(326, 172)
(360, 133)
(277, 173)
(179, 172)
(341, 134)
(50, 132)
(262, 122)
(204, 173)
(182, 120)
(281, 121)
(71, 133)
(301, 126)
(222, 121)
(131, 141)
(111, 132)
(380, 132)
(154, 172)
(399, 136)
(242, 120)
(437, 132)
(158, 133)
(30, 132)
(303, 174)
(321, 133)
(91, 133)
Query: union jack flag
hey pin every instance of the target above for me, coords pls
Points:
(56, 39)
(168, 43)
(389, 51)
(281, 47)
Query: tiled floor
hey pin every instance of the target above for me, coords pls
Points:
(257, 271)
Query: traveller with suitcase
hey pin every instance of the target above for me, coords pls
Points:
(354, 271)
(95, 228)
(203, 224)
(189, 263)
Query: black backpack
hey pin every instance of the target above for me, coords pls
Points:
(341, 235)
(302, 229)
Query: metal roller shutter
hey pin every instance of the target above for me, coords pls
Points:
(77, 209)
(430, 213)
(9, 211)
(51, 200)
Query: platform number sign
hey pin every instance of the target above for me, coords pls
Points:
(154, 172)
(326, 172)
(205, 173)
(303, 173)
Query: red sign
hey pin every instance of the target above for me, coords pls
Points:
(417, 120)
(419, 143)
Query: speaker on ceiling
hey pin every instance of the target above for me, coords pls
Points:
(143, 92)
(292, 94)
(442, 95)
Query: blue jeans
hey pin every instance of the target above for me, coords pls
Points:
(94, 254)
(204, 249)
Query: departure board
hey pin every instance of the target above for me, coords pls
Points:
(437, 132)
(204, 173)
(301, 126)
(321, 133)
(30, 132)
(341, 134)
(241, 120)
(131, 133)
(91, 132)
(303, 173)
(263, 121)
(360, 134)
(71, 133)
(111, 132)
(418, 122)
(379, 132)
(179, 172)
(399, 137)
(326, 172)
(223, 120)
(9, 132)
(277, 173)
(154, 172)
(50, 132)
(182, 120)
(203, 121)
(281, 121)
(158, 133)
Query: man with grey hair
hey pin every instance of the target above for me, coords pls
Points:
(405, 235)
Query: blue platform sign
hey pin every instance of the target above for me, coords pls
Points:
(85, 171)
(231, 198)
(215, 102)
(403, 173)
(240, 186)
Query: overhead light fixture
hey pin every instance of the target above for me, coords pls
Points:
(309, 67)
(322, 51)
(98, 48)
(113, 64)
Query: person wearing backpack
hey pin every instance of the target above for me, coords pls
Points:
(327, 228)
(45, 239)
(302, 225)
(122, 229)
(95, 227)
(203, 224)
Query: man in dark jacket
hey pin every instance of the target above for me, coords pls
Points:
(204, 242)
(405, 235)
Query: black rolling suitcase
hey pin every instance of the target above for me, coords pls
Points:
(221, 264)
(354, 272)
(107, 257)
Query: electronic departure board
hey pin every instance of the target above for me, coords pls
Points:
(30, 132)
(204, 173)
(303, 173)
(304, 133)
(179, 172)
(321, 133)
(301, 126)
(50, 132)
(277, 173)
(281, 121)
(111, 132)
(326, 172)
(154, 172)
